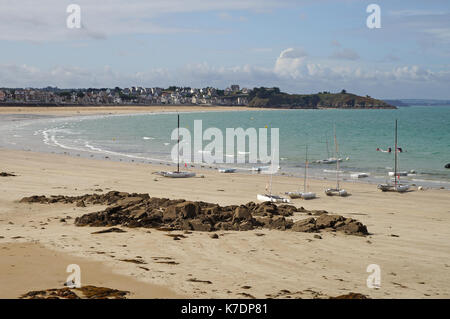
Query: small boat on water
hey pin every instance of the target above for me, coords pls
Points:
(396, 186)
(305, 194)
(330, 160)
(337, 191)
(359, 175)
(398, 173)
(177, 173)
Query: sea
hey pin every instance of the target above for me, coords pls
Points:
(423, 135)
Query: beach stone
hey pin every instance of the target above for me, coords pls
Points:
(189, 209)
(246, 225)
(198, 225)
(280, 223)
(325, 220)
(169, 214)
(241, 213)
(265, 209)
(4, 174)
(223, 226)
(307, 225)
(287, 210)
(128, 201)
(139, 213)
(81, 204)
(354, 228)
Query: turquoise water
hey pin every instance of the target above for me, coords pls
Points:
(424, 132)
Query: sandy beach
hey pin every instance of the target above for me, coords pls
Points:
(108, 109)
(409, 237)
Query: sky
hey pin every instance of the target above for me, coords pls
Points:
(301, 46)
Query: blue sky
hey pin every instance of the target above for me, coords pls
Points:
(299, 46)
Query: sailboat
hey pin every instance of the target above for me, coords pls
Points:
(396, 187)
(329, 160)
(270, 197)
(305, 194)
(336, 191)
(178, 173)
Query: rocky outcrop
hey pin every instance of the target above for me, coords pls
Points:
(141, 210)
(85, 292)
(331, 223)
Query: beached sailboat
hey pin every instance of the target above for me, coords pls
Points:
(396, 186)
(177, 173)
(305, 194)
(227, 170)
(336, 191)
(270, 197)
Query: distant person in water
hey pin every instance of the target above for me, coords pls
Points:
(389, 150)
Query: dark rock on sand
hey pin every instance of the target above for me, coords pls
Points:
(110, 230)
(85, 292)
(332, 223)
(4, 174)
(141, 210)
(351, 295)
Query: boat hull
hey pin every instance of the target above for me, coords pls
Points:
(227, 170)
(272, 198)
(177, 174)
(336, 192)
(303, 195)
(392, 188)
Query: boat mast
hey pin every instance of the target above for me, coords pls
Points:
(337, 159)
(395, 155)
(271, 173)
(178, 145)
(306, 169)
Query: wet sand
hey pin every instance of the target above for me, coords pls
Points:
(29, 266)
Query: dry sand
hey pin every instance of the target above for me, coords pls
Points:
(108, 109)
(415, 262)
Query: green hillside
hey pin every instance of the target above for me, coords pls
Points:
(273, 98)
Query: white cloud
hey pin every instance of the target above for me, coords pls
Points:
(289, 62)
(293, 71)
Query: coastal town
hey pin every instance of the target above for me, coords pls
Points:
(231, 96)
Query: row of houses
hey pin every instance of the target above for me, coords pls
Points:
(133, 95)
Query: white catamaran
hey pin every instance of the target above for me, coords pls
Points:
(396, 186)
(336, 191)
(270, 197)
(177, 173)
(329, 160)
(305, 194)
